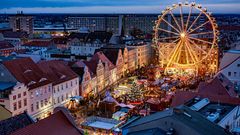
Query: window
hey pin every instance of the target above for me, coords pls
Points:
(229, 73)
(71, 84)
(37, 105)
(41, 103)
(235, 74)
(14, 97)
(37, 93)
(32, 108)
(41, 92)
(31, 95)
(66, 85)
(238, 65)
(49, 88)
(24, 93)
(19, 104)
(58, 88)
(25, 102)
(62, 98)
(14, 106)
(19, 95)
(46, 102)
(62, 87)
(58, 99)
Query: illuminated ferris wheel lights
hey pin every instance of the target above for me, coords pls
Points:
(168, 8)
(205, 9)
(174, 5)
(181, 37)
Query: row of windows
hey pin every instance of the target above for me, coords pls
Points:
(233, 74)
(66, 86)
(40, 92)
(60, 99)
(19, 95)
(18, 105)
(40, 104)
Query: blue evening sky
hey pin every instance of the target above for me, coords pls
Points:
(109, 6)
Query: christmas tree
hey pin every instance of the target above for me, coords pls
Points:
(136, 93)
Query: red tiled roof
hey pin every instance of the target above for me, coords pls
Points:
(111, 54)
(100, 56)
(26, 71)
(215, 90)
(38, 44)
(56, 124)
(218, 86)
(5, 45)
(92, 64)
(182, 97)
(57, 71)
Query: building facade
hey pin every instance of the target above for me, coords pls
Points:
(36, 88)
(21, 22)
(230, 67)
(84, 48)
(142, 54)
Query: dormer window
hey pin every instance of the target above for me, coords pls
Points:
(63, 76)
(31, 83)
(27, 71)
(42, 79)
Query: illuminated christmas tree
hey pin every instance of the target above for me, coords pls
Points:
(136, 93)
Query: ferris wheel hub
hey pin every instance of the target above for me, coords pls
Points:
(183, 35)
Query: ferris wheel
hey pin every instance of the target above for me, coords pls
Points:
(185, 35)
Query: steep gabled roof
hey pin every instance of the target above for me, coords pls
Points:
(220, 89)
(111, 54)
(229, 58)
(93, 63)
(100, 56)
(27, 72)
(220, 85)
(57, 71)
(15, 123)
(92, 66)
(56, 124)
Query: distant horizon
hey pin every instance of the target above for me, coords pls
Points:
(109, 6)
(109, 13)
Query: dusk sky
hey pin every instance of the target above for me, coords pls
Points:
(109, 6)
